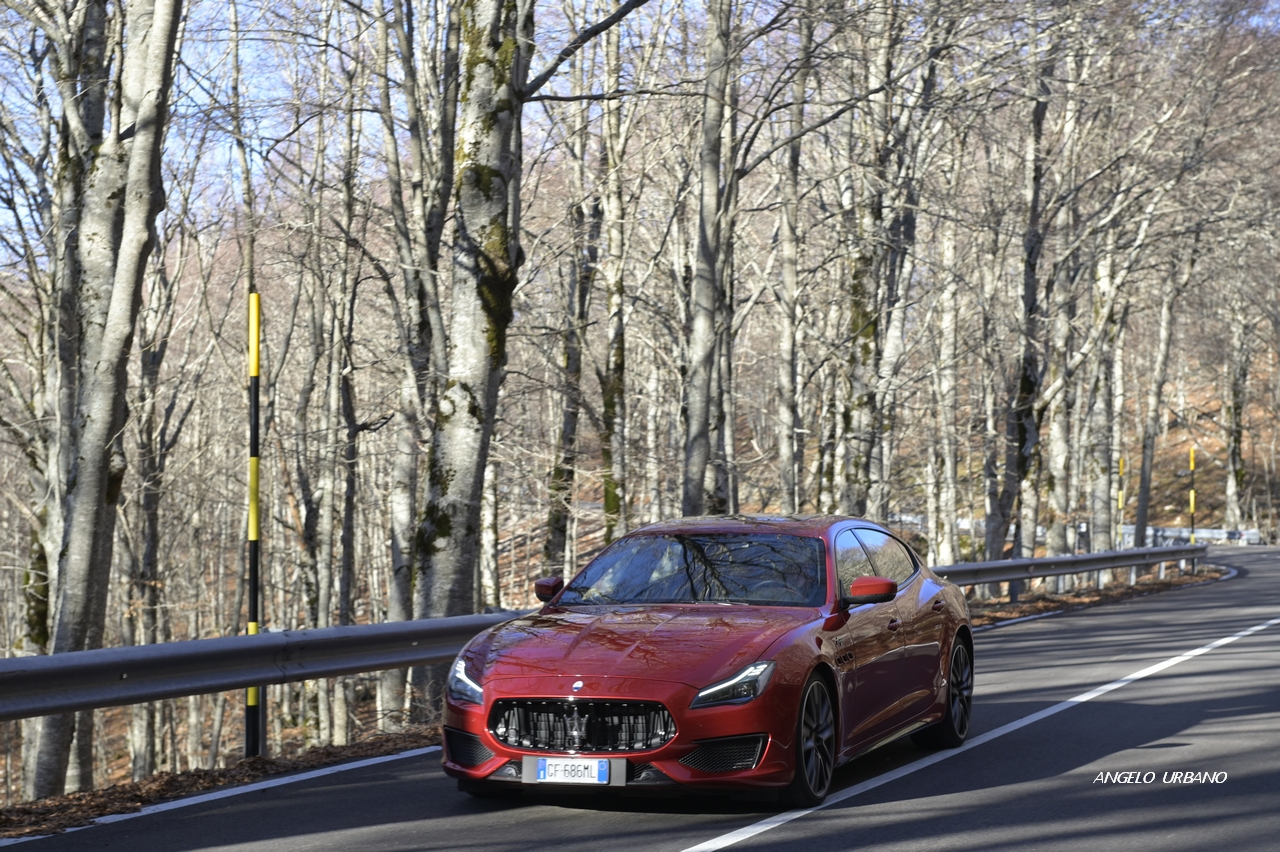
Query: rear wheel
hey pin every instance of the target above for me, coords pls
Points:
(952, 730)
(815, 746)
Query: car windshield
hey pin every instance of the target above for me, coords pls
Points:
(764, 569)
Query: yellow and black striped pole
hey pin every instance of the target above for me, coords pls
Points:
(1120, 510)
(253, 710)
(1193, 495)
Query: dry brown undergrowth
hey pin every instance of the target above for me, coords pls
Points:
(983, 613)
(62, 812)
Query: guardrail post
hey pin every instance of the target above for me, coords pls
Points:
(1133, 575)
(1013, 590)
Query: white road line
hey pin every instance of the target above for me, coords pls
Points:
(749, 831)
(227, 792)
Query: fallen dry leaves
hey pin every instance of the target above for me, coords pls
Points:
(983, 613)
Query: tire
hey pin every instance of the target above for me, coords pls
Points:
(953, 728)
(815, 746)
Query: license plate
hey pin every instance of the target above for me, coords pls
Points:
(570, 770)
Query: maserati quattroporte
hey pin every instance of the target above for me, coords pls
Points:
(748, 651)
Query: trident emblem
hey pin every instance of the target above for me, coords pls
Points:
(577, 729)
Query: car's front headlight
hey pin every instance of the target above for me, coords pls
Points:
(461, 687)
(745, 686)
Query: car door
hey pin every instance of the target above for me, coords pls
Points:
(872, 650)
(920, 607)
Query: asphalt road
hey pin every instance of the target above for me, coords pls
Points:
(1030, 784)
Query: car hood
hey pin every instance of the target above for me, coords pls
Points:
(695, 645)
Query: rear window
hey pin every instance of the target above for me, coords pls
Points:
(761, 569)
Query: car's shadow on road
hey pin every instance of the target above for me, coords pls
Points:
(1081, 736)
(675, 800)
(1078, 737)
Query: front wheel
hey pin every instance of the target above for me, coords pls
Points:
(815, 746)
(952, 730)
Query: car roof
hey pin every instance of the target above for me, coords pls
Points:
(811, 525)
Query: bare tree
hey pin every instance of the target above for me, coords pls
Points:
(105, 177)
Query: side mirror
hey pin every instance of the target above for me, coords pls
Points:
(865, 590)
(547, 588)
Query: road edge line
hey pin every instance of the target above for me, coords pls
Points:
(227, 792)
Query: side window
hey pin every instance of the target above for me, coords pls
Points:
(888, 556)
(851, 561)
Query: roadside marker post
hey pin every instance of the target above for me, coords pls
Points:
(1193, 503)
(254, 704)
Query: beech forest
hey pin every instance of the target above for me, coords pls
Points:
(535, 274)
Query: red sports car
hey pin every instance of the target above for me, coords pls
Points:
(749, 651)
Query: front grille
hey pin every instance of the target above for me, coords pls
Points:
(465, 749)
(731, 754)
(559, 725)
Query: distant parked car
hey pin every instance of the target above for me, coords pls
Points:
(750, 651)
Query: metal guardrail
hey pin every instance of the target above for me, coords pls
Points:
(110, 677)
(1008, 570)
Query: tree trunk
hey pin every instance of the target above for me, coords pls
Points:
(1116, 430)
(1153, 415)
(121, 198)
(788, 424)
(585, 216)
(995, 526)
(1059, 414)
(704, 293)
(944, 537)
(1100, 456)
(325, 532)
(487, 254)
(418, 207)
(653, 469)
(1231, 421)
(344, 709)
(1022, 424)
(613, 381)
(490, 587)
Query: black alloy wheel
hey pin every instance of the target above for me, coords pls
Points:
(815, 745)
(953, 729)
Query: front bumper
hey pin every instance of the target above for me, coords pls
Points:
(745, 745)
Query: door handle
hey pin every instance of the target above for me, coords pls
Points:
(939, 606)
(895, 624)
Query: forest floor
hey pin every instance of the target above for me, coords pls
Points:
(58, 813)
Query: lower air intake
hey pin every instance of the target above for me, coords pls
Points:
(465, 749)
(731, 754)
